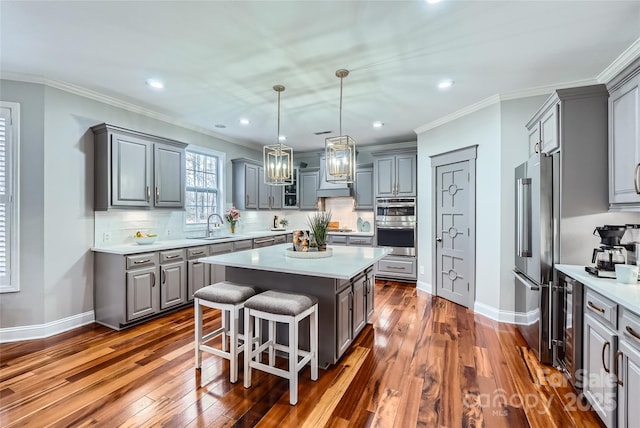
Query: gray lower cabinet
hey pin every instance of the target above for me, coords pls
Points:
(198, 273)
(137, 170)
(397, 267)
(142, 293)
(173, 278)
(629, 388)
(355, 308)
(352, 240)
(359, 305)
(308, 188)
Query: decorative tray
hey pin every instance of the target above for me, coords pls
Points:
(308, 254)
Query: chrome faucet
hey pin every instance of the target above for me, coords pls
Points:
(208, 232)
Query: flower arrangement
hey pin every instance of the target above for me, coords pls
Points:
(232, 215)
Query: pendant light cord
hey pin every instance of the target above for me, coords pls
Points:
(340, 106)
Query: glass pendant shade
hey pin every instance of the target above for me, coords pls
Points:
(340, 151)
(340, 158)
(278, 158)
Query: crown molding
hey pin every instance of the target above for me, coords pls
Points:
(458, 114)
(620, 63)
(115, 102)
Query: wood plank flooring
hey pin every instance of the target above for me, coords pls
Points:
(424, 362)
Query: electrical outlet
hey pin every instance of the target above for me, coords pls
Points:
(168, 232)
(421, 270)
(106, 236)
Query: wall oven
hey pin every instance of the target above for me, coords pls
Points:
(396, 225)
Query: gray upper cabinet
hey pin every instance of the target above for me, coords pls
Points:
(395, 174)
(308, 190)
(136, 170)
(363, 188)
(249, 189)
(624, 140)
(169, 179)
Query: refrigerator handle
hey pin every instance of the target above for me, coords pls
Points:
(523, 228)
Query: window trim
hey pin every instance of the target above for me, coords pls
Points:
(221, 173)
(14, 267)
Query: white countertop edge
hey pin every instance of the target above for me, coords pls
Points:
(351, 233)
(627, 295)
(134, 248)
(289, 264)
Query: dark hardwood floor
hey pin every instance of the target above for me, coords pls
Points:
(424, 362)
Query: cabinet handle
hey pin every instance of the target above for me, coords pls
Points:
(196, 263)
(246, 198)
(163, 276)
(197, 253)
(148, 194)
(604, 347)
(175, 256)
(635, 178)
(537, 147)
(396, 267)
(153, 284)
(157, 193)
(597, 308)
(632, 332)
(615, 368)
(139, 262)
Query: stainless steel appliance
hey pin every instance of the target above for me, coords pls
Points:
(396, 225)
(631, 242)
(568, 328)
(607, 256)
(533, 269)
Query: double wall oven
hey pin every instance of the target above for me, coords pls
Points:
(396, 225)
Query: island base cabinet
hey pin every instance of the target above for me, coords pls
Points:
(142, 293)
(600, 344)
(629, 386)
(359, 305)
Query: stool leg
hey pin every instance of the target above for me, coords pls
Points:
(293, 361)
(313, 335)
(233, 338)
(197, 308)
(248, 347)
(225, 329)
(258, 337)
(272, 341)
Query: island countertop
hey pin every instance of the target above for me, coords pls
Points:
(345, 263)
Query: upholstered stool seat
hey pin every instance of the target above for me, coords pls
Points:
(229, 298)
(282, 307)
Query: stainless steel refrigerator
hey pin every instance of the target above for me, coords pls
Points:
(534, 251)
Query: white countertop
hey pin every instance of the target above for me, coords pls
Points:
(134, 248)
(627, 295)
(345, 263)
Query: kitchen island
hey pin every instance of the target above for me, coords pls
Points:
(343, 283)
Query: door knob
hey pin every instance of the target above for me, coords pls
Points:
(438, 239)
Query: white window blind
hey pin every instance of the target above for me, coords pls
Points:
(8, 200)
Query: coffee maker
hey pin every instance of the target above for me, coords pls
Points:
(609, 254)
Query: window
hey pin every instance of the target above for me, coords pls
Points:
(204, 185)
(9, 227)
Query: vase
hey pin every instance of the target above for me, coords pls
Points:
(233, 227)
(322, 247)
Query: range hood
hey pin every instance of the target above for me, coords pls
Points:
(331, 190)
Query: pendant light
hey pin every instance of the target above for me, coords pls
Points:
(340, 151)
(278, 158)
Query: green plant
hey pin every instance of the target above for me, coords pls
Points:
(284, 222)
(318, 223)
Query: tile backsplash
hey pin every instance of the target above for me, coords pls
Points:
(118, 226)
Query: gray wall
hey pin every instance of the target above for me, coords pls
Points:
(56, 187)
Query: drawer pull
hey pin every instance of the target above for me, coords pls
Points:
(396, 267)
(597, 308)
(604, 347)
(139, 262)
(197, 253)
(175, 256)
(632, 332)
(359, 242)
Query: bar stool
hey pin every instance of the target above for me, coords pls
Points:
(228, 298)
(282, 307)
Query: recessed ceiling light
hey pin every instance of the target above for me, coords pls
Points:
(244, 121)
(155, 84)
(445, 84)
(219, 125)
(282, 138)
(378, 124)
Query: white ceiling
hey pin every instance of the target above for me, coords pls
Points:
(220, 59)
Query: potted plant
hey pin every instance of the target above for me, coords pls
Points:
(284, 222)
(232, 215)
(318, 223)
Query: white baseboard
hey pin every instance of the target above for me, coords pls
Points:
(424, 286)
(510, 317)
(39, 331)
